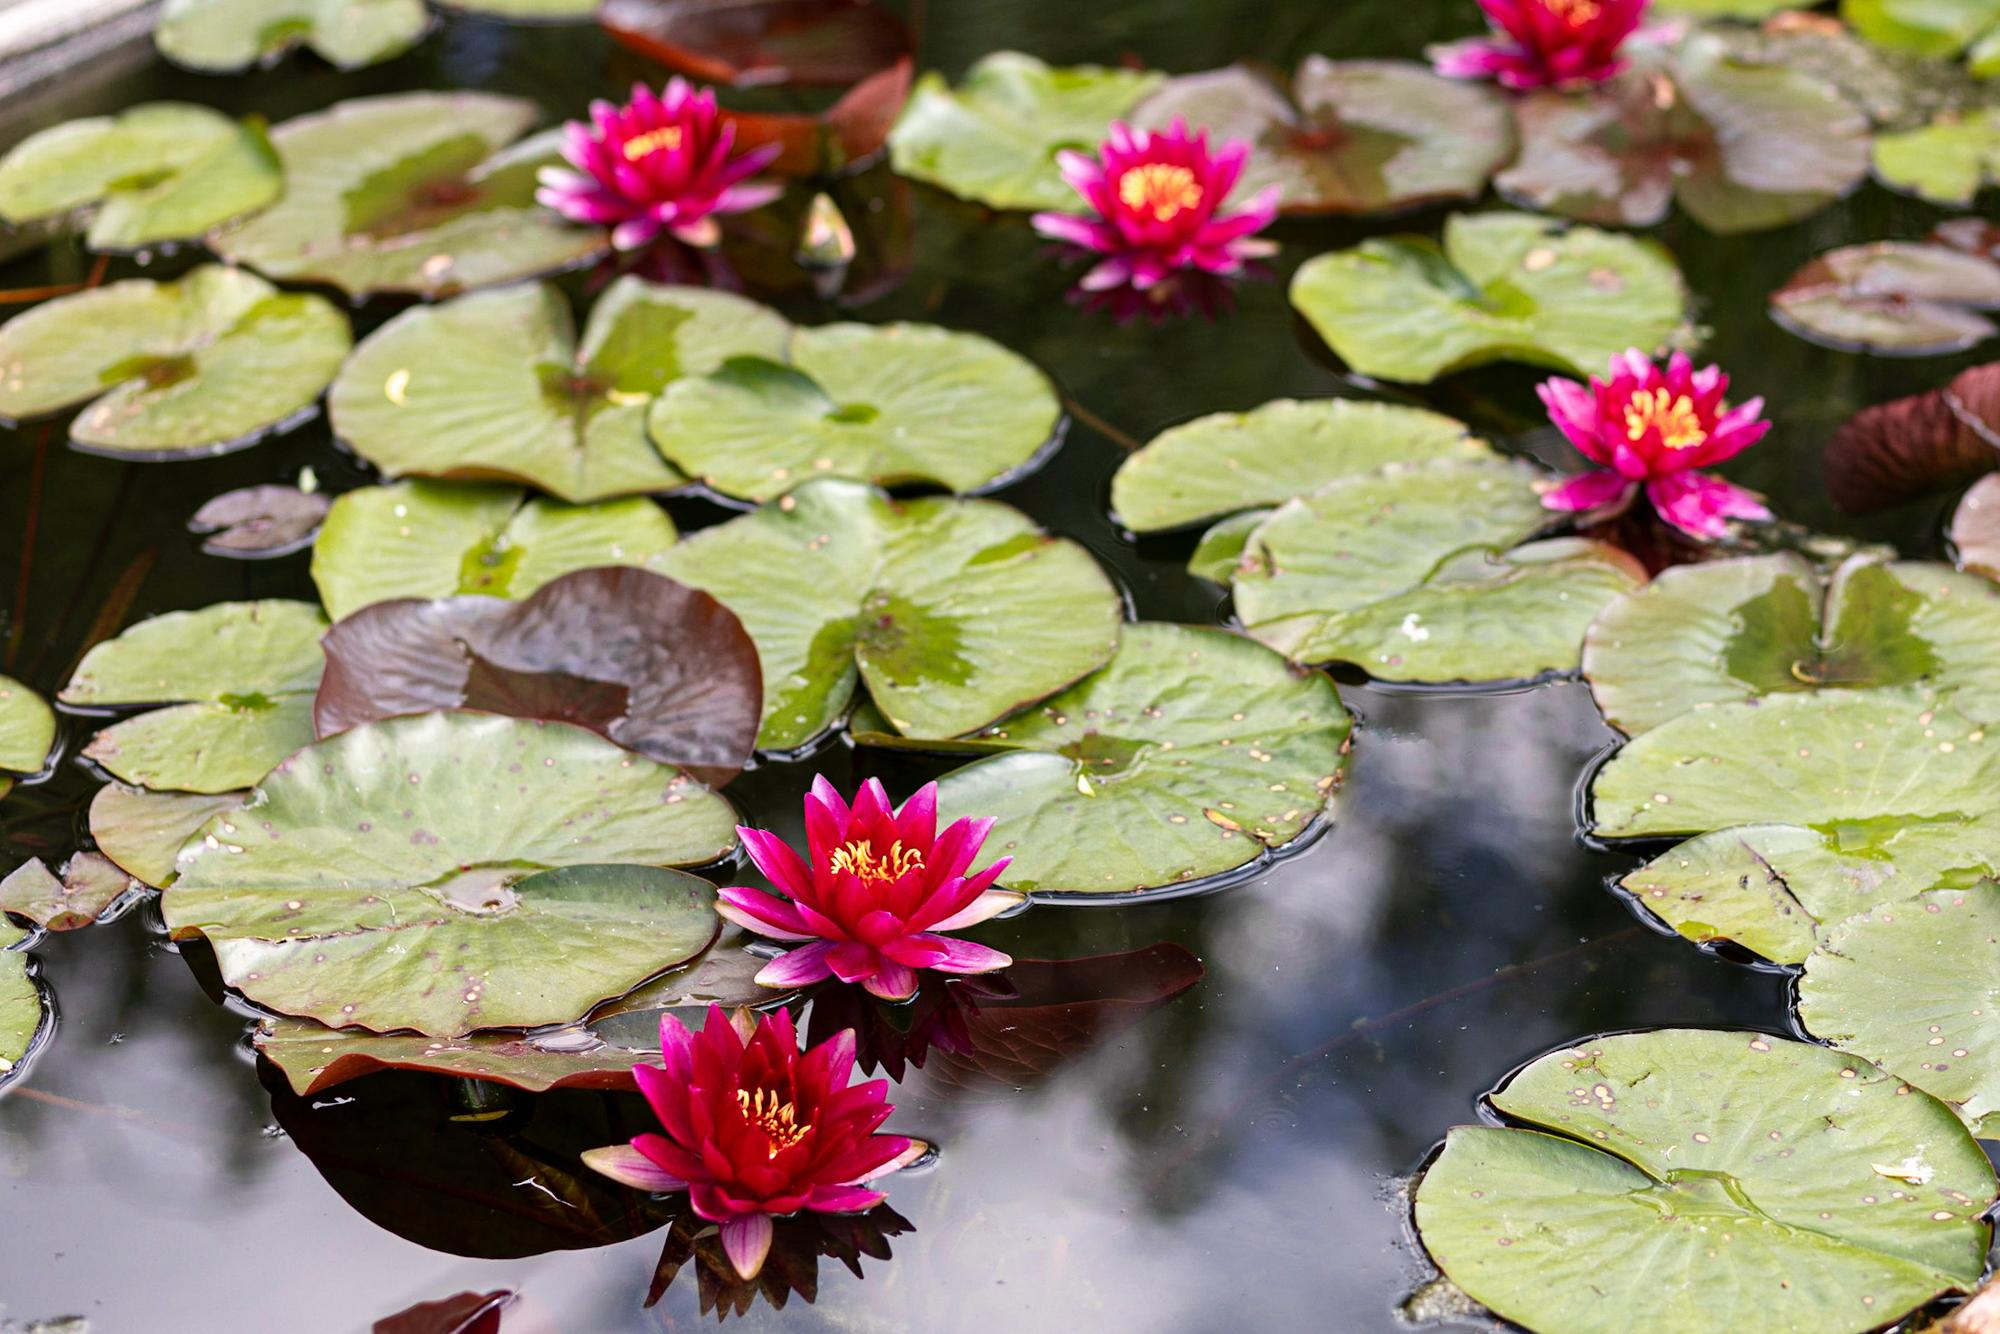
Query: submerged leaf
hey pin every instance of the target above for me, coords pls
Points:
(1892, 298)
(223, 36)
(89, 884)
(260, 521)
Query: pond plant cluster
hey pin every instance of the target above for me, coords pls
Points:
(469, 812)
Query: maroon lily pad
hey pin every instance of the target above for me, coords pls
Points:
(653, 665)
(1975, 528)
(756, 43)
(461, 1313)
(846, 136)
(1892, 298)
(90, 883)
(1897, 451)
(260, 521)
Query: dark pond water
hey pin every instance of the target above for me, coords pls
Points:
(1232, 1159)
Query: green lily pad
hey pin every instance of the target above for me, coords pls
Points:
(1892, 298)
(1230, 461)
(1195, 753)
(246, 672)
(211, 363)
(448, 872)
(143, 832)
(1504, 286)
(1351, 136)
(1692, 1176)
(161, 171)
(887, 404)
(497, 385)
(1924, 27)
(1734, 629)
(1947, 162)
(23, 1015)
(437, 539)
(410, 192)
(223, 36)
(995, 137)
(27, 728)
(90, 883)
(1911, 986)
(952, 612)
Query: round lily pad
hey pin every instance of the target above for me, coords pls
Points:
(657, 667)
(1352, 136)
(995, 137)
(211, 363)
(1504, 286)
(240, 678)
(223, 36)
(454, 871)
(497, 385)
(410, 192)
(1892, 298)
(1230, 461)
(1947, 162)
(1692, 1176)
(143, 832)
(89, 884)
(887, 404)
(952, 612)
(1911, 986)
(438, 539)
(27, 729)
(1196, 752)
(160, 171)
(1975, 528)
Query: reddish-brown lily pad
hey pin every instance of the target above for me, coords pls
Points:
(1897, 451)
(654, 665)
(89, 884)
(1892, 298)
(460, 1313)
(756, 43)
(846, 136)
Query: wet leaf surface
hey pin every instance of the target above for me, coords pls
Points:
(89, 884)
(143, 832)
(1947, 162)
(223, 36)
(1892, 298)
(258, 522)
(27, 729)
(757, 43)
(1975, 528)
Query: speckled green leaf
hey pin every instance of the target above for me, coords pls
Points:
(951, 612)
(453, 871)
(995, 137)
(497, 384)
(1504, 286)
(1947, 162)
(1892, 298)
(207, 364)
(27, 728)
(437, 539)
(887, 404)
(1195, 753)
(1926, 27)
(410, 192)
(22, 1013)
(1693, 1176)
(143, 832)
(223, 36)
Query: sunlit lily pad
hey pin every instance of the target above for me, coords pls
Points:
(886, 404)
(1352, 136)
(1690, 1175)
(143, 832)
(1195, 753)
(1892, 298)
(222, 36)
(436, 539)
(1929, 27)
(454, 871)
(951, 612)
(207, 364)
(497, 385)
(240, 678)
(1230, 461)
(410, 192)
(27, 730)
(1910, 986)
(995, 137)
(160, 171)
(1947, 162)
(89, 884)
(1504, 286)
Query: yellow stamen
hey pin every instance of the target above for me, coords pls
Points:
(1159, 189)
(1679, 424)
(667, 138)
(778, 1120)
(1575, 13)
(859, 857)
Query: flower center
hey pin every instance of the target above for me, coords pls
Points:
(1160, 190)
(1575, 13)
(1678, 423)
(778, 1120)
(859, 857)
(666, 138)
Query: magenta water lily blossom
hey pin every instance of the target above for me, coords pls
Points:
(755, 1129)
(1650, 428)
(1545, 43)
(1157, 200)
(660, 163)
(876, 892)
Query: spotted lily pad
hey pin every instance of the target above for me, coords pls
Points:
(160, 171)
(1195, 753)
(437, 539)
(1947, 162)
(208, 364)
(89, 884)
(27, 730)
(1688, 1174)
(239, 676)
(951, 612)
(410, 192)
(454, 871)
(1350, 136)
(1892, 298)
(497, 384)
(223, 36)
(887, 404)
(995, 137)
(1504, 286)
(1910, 986)
(143, 832)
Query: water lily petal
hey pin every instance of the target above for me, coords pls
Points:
(628, 1167)
(990, 903)
(746, 1240)
(892, 981)
(1701, 505)
(765, 914)
(797, 968)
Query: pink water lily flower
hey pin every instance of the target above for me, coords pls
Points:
(1651, 429)
(1545, 43)
(1156, 202)
(874, 895)
(657, 164)
(756, 1129)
